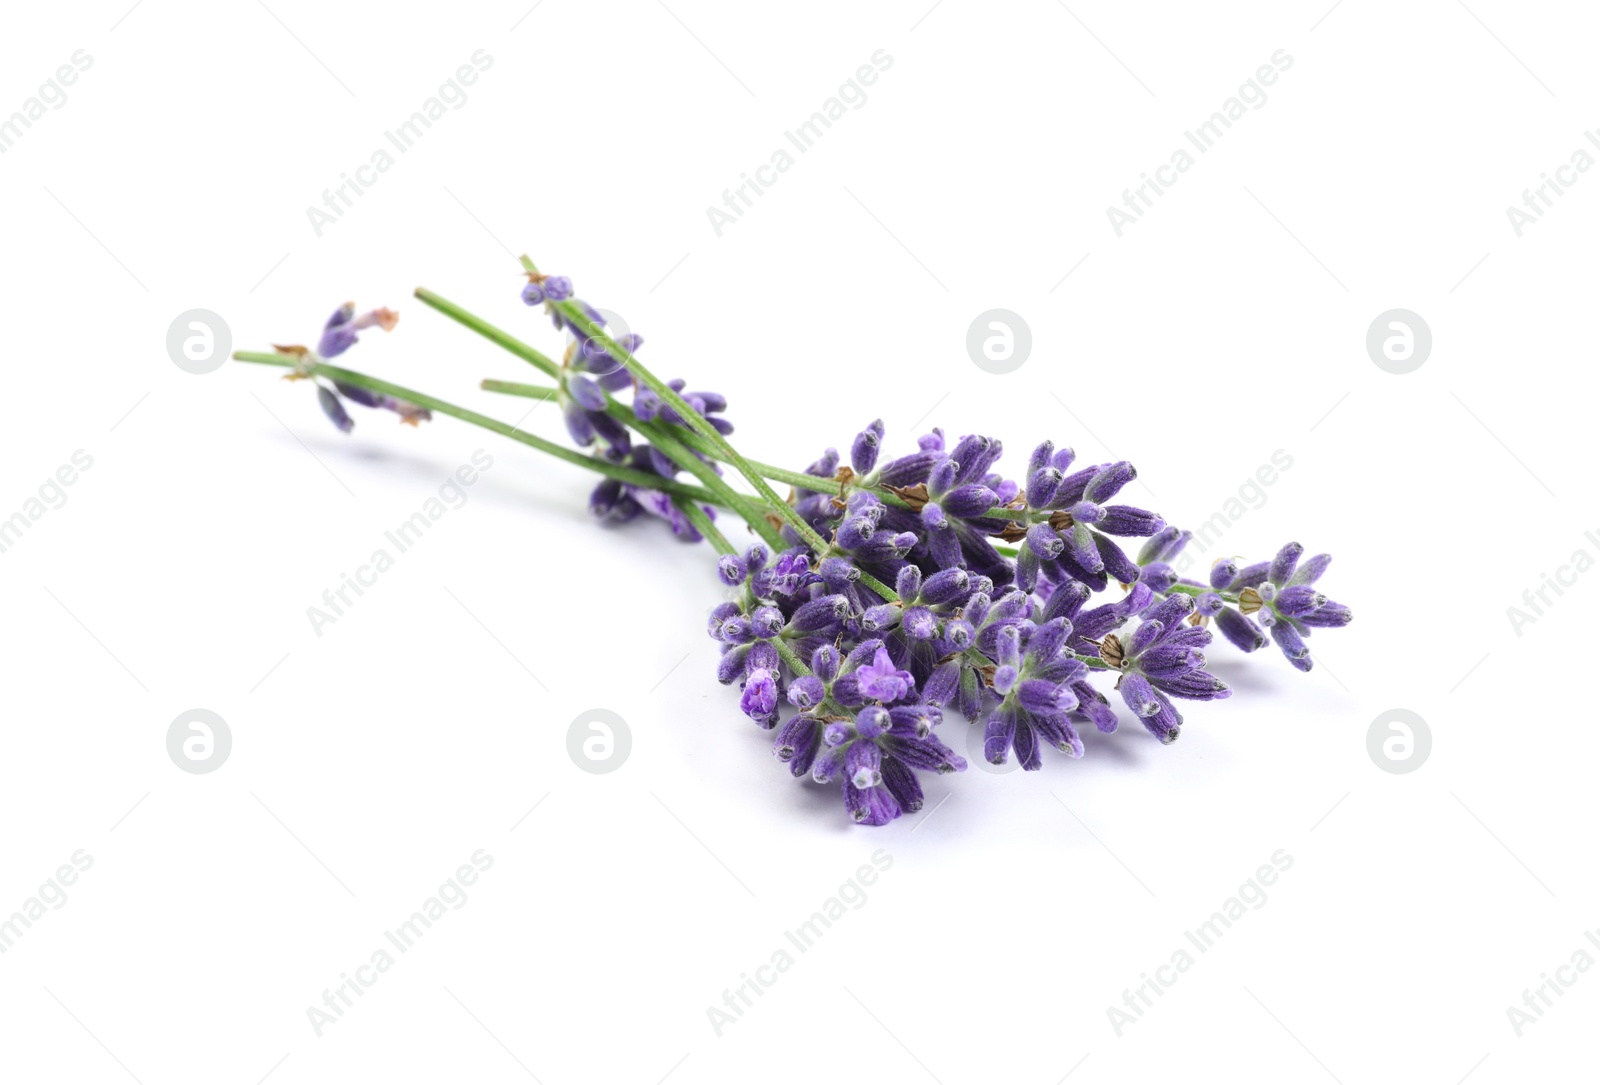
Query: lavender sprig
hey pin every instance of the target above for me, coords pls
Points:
(1012, 600)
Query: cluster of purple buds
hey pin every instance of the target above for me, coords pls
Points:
(1010, 636)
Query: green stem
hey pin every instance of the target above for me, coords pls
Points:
(679, 455)
(702, 522)
(495, 335)
(494, 425)
(787, 653)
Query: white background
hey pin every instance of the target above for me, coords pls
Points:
(370, 762)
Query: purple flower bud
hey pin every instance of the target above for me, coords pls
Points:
(1164, 545)
(1210, 604)
(917, 720)
(766, 622)
(1109, 481)
(532, 294)
(558, 288)
(1127, 520)
(646, 405)
(356, 394)
(1298, 600)
(1042, 697)
(797, 744)
(334, 409)
(1311, 569)
(1008, 646)
(1165, 722)
(737, 630)
(731, 664)
(1039, 458)
(864, 449)
(958, 634)
(838, 572)
(945, 586)
(820, 615)
(1087, 512)
(1328, 616)
(1158, 576)
(1244, 634)
(719, 615)
(871, 722)
(1194, 685)
(730, 570)
(977, 608)
(1293, 647)
(825, 662)
(1223, 572)
(969, 501)
(1251, 576)
(1042, 486)
(1283, 565)
(1005, 676)
(1093, 707)
(880, 618)
(807, 691)
(829, 761)
(1137, 695)
(1147, 634)
(1170, 660)
(905, 471)
(908, 583)
(901, 782)
(999, 731)
(588, 394)
(1114, 561)
(1172, 610)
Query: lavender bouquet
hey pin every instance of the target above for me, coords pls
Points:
(882, 593)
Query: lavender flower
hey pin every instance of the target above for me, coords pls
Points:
(340, 333)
